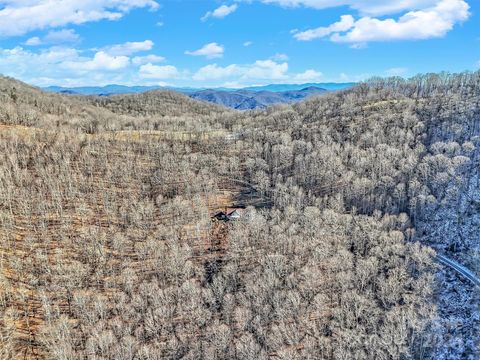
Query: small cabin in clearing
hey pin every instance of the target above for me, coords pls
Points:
(234, 213)
(230, 214)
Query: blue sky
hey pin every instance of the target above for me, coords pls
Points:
(239, 43)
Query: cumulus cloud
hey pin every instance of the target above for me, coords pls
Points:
(365, 7)
(266, 69)
(67, 66)
(74, 67)
(308, 76)
(220, 12)
(210, 51)
(20, 59)
(18, 17)
(61, 36)
(215, 72)
(55, 37)
(100, 61)
(41, 68)
(346, 23)
(34, 41)
(150, 71)
(432, 22)
(129, 48)
(259, 72)
(140, 60)
(248, 43)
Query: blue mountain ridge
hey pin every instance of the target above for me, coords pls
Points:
(241, 99)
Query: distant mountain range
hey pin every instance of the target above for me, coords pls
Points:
(111, 90)
(249, 99)
(241, 99)
(291, 87)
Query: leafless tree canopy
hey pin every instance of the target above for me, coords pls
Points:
(108, 249)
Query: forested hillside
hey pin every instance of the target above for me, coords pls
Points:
(108, 249)
(248, 100)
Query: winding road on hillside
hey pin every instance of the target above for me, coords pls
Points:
(463, 271)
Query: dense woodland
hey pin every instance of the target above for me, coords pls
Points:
(108, 249)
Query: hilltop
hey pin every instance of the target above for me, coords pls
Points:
(22, 104)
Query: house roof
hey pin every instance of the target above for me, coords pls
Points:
(230, 211)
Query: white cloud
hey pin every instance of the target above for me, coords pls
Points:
(365, 7)
(100, 61)
(266, 69)
(61, 36)
(36, 67)
(346, 23)
(259, 71)
(248, 43)
(141, 60)
(55, 37)
(150, 71)
(74, 67)
(18, 17)
(220, 12)
(215, 72)
(33, 41)
(381, 7)
(210, 51)
(308, 76)
(23, 58)
(432, 22)
(57, 55)
(129, 48)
